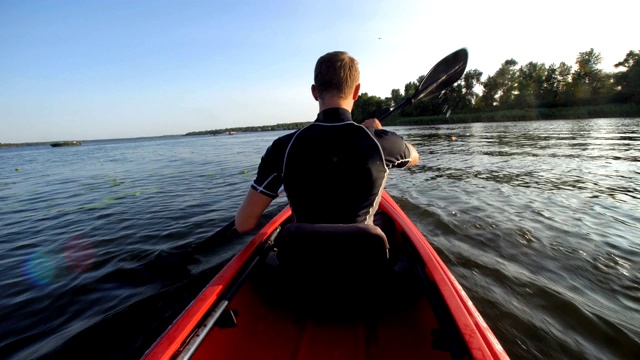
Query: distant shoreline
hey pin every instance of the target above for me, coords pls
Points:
(48, 143)
(574, 113)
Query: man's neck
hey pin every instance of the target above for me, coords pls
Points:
(335, 103)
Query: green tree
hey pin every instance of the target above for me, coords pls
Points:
(556, 82)
(410, 88)
(488, 101)
(530, 85)
(366, 107)
(453, 98)
(396, 97)
(470, 80)
(628, 81)
(507, 78)
(500, 88)
(589, 83)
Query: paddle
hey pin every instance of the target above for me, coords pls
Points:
(442, 75)
(170, 264)
(226, 230)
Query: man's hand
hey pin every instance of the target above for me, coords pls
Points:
(372, 124)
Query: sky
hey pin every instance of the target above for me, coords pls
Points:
(83, 70)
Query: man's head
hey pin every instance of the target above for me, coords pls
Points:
(336, 74)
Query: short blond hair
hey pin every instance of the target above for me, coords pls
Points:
(336, 73)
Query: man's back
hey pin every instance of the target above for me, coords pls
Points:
(334, 171)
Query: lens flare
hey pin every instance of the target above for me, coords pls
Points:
(78, 254)
(40, 268)
(45, 267)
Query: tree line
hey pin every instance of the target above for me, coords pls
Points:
(526, 92)
(515, 88)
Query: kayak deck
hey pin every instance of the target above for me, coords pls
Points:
(398, 325)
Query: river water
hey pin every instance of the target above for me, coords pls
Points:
(101, 245)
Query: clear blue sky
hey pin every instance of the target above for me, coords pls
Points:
(116, 69)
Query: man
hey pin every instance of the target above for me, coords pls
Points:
(333, 170)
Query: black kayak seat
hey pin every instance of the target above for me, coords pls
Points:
(332, 249)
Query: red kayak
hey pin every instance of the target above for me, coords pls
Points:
(301, 291)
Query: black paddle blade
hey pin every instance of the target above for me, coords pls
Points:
(444, 74)
(224, 233)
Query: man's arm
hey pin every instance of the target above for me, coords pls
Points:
(374, 124)
(265, 186)
(249, 213)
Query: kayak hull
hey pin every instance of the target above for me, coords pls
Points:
(250, 311)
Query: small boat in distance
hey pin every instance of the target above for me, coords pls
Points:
(66, 143)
